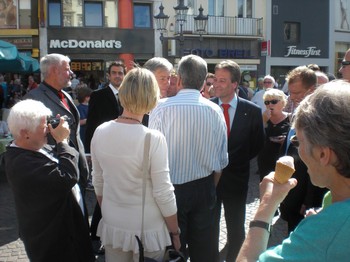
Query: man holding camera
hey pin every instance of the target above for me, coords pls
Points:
(56, 75)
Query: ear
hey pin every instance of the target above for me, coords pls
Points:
(325, 155)
(24, 133)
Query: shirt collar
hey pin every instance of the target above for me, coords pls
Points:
(114, 90)
(232, 103)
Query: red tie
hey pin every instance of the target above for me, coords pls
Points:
(227, 117)
(63, 99)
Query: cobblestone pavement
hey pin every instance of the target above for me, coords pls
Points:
(12, 249)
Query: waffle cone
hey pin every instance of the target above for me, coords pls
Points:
(283, 172)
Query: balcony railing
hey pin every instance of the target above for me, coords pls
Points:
(229, 26)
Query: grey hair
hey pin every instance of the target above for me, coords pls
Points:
(192, 70)
(271, 78)
(156, 63)
(51, 60)
(26, 115)
(324, 119)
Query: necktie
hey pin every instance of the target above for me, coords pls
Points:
(63, 99)
(227, 117)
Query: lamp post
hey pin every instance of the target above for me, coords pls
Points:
(181, 14)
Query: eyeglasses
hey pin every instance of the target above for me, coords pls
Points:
(345, 63)
(267, 82)
(273, 101)
(294, 141)
(209, 84)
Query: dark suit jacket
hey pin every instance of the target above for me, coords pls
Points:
(50, 221)
(52, 101)
(103, 106)
(244, 143)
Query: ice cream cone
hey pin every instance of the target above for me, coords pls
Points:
(284, 169)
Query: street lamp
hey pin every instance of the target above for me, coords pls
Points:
(181, 15)
(161, 21)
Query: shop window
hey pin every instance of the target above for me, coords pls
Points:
(291, 32)
(216, 7)
(245, 8)
(54, 8)
(142, 15)
(79, 13)
(93, 14)
(24, 18)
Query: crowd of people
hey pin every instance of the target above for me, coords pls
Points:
(168, 150)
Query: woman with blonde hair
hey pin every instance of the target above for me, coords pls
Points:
(117, 157)
(277, 124)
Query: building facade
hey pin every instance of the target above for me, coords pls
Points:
(234, 30)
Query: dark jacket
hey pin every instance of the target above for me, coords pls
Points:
(244, 143)
(51, 223)
(50, 99)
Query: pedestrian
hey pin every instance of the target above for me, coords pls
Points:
(195, 132)
(104, 105)
(245, 133)
(44, 183)
(301, 82)
(345, 66)
(117, 152)
(323, 142)
(161, 68)
(56, 75)
(277, 124)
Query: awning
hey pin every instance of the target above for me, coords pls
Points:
(11, 61)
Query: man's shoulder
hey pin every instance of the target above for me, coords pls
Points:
(249, 104)
(37, 92)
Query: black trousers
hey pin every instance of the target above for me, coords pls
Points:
(96, 217)
(235, 209)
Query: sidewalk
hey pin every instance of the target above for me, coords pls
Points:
(12, 249)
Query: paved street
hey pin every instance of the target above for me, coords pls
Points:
(11, 247)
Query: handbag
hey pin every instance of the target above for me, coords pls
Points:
(145, 167)
(171, 255)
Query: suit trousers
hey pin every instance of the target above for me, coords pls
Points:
(235, 209)
(195, 211)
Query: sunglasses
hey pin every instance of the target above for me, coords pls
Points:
(209, 84)
(273, 101)
(267, 82)
(294, 141)
(345, 63)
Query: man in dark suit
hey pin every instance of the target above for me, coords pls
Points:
(245, 140)
(56, 74)
(104, 103)
(104, 106)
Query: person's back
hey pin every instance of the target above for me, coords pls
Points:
(195, 132)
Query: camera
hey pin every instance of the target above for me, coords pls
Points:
(54, 121)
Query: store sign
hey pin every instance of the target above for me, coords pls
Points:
(220, 53)
(310, 51)
(92, 44)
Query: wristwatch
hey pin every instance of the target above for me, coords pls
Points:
(178, 232)
(261, 224)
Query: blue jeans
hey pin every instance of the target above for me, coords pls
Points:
(195, 203)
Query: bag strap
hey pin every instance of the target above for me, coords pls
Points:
(145, 167)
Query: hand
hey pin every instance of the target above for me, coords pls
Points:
(266, 115)
(176, 242)
(61, 132)
(272, 194)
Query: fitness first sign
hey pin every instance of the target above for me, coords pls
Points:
(91, 44)
(309, 51)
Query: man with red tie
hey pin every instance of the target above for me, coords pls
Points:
(245, 140)
(56, 75)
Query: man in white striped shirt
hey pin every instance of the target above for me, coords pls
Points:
(195, 131)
